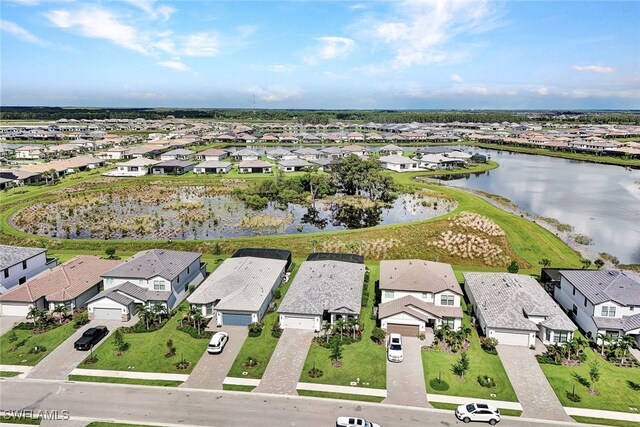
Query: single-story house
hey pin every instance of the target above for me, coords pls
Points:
(356, 149)
(19, 264)
(391, 150)
(398, 163)
(326, 287)
(239, 291)
(212, 166)
(254, 166)
(156, 276)
(135, 167)
(212, 154)
(438, 161)
(416, 295)
(324, 164)
(245, 154)
(173, 167)
(293, 165)
(71, 284)
(307, 153)
(117, 153)
(333, 152)
(177, 154)
(515, 309)
(280, 154)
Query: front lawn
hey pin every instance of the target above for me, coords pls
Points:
(261, 348)
(605, 422)
(344, 396)
(22, 356)
(363, 359)
(437, 364)
(116, 380)
(616, 390)
(147, 351)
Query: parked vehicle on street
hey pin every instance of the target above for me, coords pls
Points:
(90, 338)
(217, 342)
(354, 422)
(394, 348)
(478, 412)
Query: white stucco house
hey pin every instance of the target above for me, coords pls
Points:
(212, 166)
(19, 264)
(398, 163)
(135, 167)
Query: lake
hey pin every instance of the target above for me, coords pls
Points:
(601, 201)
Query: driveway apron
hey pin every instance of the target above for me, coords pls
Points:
(536, 396)
(212, 369)
(7, 322)
(284, 369)
(405, 380)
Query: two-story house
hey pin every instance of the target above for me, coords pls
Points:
(19, 264)
(156, 276)
(416, 295)
(606, 302)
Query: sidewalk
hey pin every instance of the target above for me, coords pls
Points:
(241, 381)
(598, 413)
(128, 374)
(15, 368)
(444, 398)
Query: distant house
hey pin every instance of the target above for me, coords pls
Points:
(416, 295)
(245, 154)
(117, 153)
(212, 154)
(398, 163)
(280, 154)
(212, 166)
(307, 153)
(19, 264)
(515, 309)
(254, 166)
(324, 164)
(293, 165)
(239, 291)
(70, 284)
(326, 287)
(333, 152)
(177, 154)
(391, 150)
(29, 152)
(135, 167)
(602, 302)
(173, 167)
(156, 276)
(438, 161)
(478, 158)
(358, 150)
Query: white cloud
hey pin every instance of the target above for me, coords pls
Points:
(97, 22)
(163, 12)
(358, 6)
(544, 91)
(199, 44)
(277, 93)
(423, 32)
(330, 47)
(476, 90)
(281, 68)
(457, 78)
(19, 32)
(174, 64)
(600, 69)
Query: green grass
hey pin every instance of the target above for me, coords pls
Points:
(363, 359)
(614, 392)
(345, 396)
(115, 380)
(9, 374)
(147, 350)
(50, 340)
(261, 348)
(236, 387)
(605, 422)
(453, 406)
(105, 424)
(481, 363)
(20, 420)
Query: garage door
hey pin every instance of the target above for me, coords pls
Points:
(512, 338)
(236, 319)
(299, 322)
(405, 330)
(107, 314)
(8, 309)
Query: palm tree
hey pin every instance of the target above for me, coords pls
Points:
(604, 339)
(197, 318)
(34, 313)
(545, 262)
(145, 314)
(351, 325)
(61, 311)
(623, 344)
(326, 327)
(340, 326)
(192, 313)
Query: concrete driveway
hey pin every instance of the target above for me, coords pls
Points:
(212, 369)
(284, 369)
(405, 380)
(64, 359)
(536, 396)
(7, 322)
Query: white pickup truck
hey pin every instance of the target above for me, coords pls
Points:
(354, 422)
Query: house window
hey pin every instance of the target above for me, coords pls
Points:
(608, 311)
(22, 280)
(547, 334)
(560, 336)
(209, 309)
(388, 294)
(585, 301)
(158, 285)
(24, 265)
(6, 273)
(446, 299)
(612, 335)
(448, 321)
(188, 268)
(575, 309)
(574, 290)
(426, 295)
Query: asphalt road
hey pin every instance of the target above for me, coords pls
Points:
(191, 407)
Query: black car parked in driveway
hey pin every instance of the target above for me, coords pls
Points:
(90, 338)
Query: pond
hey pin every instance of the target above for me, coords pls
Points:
(600, 201)
(200, 212)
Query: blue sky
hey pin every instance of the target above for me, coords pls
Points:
(430, 54)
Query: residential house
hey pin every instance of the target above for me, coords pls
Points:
(173, 167)
(117, 153)
(358, 150)
(307, 153)
(438, 161)
(416, 295)
(398, 163)
(280, 154)
(293, 165)
(19, 264)
(333, 152)
(212, 166)
(29, 152)
(515, 309)
(135, 167)
(254, 166)
(177, 154)
(212, 154)
(391, 150)
(601, 301)
(326, 287)
(156, 276)
(71, 284)
(245, 154)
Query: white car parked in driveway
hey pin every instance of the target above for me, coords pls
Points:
(394, 348)
(354, 422)
(478, 412)
(217, 343)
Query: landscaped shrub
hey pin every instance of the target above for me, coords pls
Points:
(37, 349)
(24, 326)
(439, 385)
(183, 364)
(141, 327)
(378, 335)
(193, 332)
(489, 345)
(574, 397)
(277, 293)
(255, 329)
(315, 372)
(486, 381)
(547, 359)
(276, 330)
(365, 295)
(80, 319)
(12, 336)
(251, 362)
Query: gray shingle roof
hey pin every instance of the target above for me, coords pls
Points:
(174, 164)
(418, 275)
(626, 323)
(298, 163)
(12, 255)
(601, 286)
(335, 286)
(397, 160)
(505, 300)
(154, 262)
(409, 303)
(213, 164)
(127, 292)
(240, 284)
